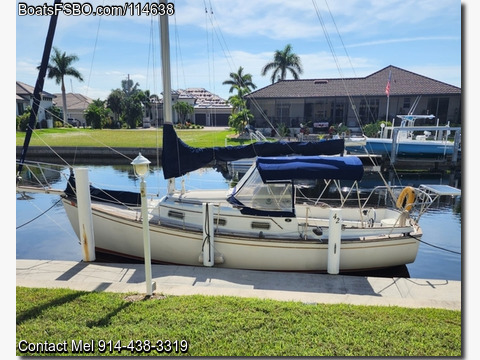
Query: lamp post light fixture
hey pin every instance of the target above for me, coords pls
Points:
(141, 168)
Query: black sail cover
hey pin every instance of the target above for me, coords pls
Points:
(179, 158)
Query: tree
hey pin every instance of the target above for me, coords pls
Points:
(96, 115)
(115, 102)
(133, 112)
(283, 61)
(239, 120)
(60, 65)
(22, 120)
(241, 116)
(183, 109)
(240, 81)
(54, 112)
(127, 103)
(128, 88)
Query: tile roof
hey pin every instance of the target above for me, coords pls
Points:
(74, 101)
(403, 82)
(27, 90)
(204, 98)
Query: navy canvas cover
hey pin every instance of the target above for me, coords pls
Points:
(179, 158)
(310, 167)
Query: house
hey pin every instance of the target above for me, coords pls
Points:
(24, 98)
(353, 102)
(76, 106)
(209, 109)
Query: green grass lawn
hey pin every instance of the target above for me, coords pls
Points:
(228, 326)
(124, 138)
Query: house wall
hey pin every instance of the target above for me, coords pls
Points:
(211, 118)
(44, 104)
(42, 115)
(293, 112)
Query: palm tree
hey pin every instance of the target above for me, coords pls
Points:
(129, 88)
(183, 109)
(284, 60)
(240, 81)
(115, 102)
(59, 67)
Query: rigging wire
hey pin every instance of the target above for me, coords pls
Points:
(178, 55)
(230, 60)
(36, 217)
(367, 105)
(93, 55)
(337, 63)
(435, 246)
(334, 55)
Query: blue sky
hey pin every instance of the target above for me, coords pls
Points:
(364, 37)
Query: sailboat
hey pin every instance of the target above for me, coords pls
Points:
(263, 223)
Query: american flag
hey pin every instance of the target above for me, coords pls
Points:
(387, 88)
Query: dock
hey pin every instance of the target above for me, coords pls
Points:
(176, 280)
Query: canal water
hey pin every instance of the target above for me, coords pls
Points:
(44, 232)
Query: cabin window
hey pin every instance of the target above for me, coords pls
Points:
(220, 222)
(176, 214)
(260, 225)
(256, 194)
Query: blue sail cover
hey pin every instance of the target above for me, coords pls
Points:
(310, 167)
(179, 158)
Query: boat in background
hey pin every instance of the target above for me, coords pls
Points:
(404, 140)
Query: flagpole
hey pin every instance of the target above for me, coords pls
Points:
(388, 103)
(387, 91)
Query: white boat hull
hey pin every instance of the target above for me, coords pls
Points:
(405, 147)
(120, 233)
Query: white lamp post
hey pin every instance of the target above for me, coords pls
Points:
(141, 167)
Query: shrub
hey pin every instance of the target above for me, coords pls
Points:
(373, 129)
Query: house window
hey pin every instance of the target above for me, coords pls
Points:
(20, 108)
(439, 108)
(338, 111)
(406, 103)
(368, 111)
(321, 110)
(282, 112)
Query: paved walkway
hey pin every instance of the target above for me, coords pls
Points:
(189, 280)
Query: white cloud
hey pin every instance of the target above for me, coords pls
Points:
(246, 33)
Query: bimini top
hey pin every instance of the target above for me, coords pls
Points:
(288, 168)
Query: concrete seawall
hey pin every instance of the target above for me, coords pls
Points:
(90, 155)
(124, 155)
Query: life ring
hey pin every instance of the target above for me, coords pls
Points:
(407, 194)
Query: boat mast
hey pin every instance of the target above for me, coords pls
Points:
(38, 87)
(166, 73)
(166, 79)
